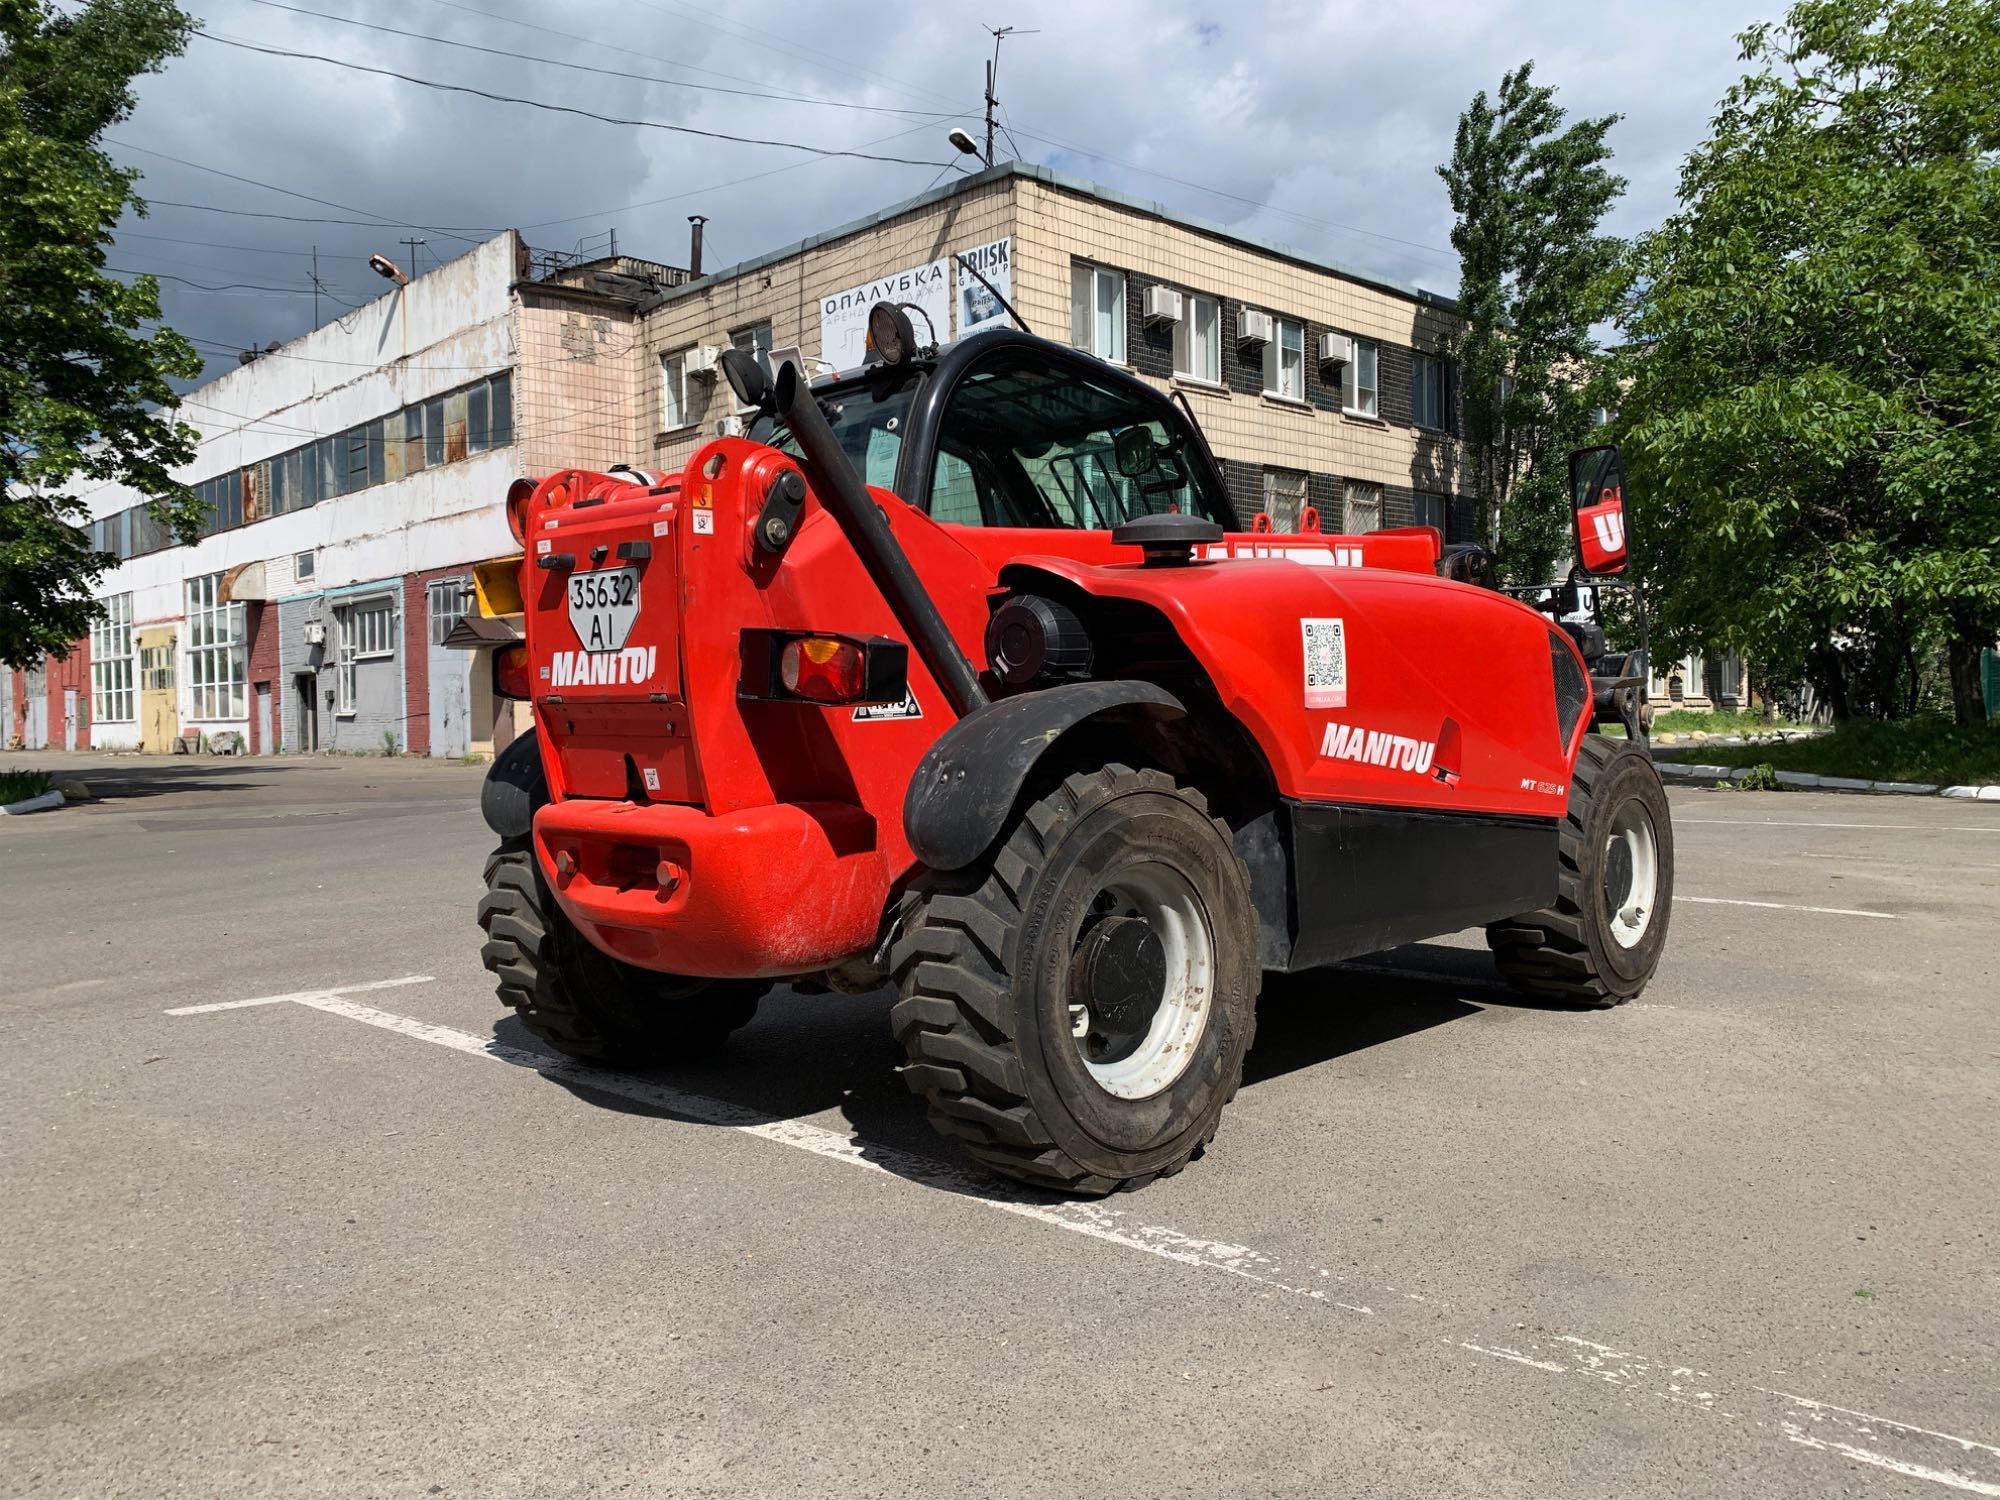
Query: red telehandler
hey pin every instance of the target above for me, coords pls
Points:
(961, 672)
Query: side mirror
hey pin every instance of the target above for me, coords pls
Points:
(1597, 505)
(1136, 451)
(746, 377)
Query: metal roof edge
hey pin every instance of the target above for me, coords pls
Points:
(1062, 182)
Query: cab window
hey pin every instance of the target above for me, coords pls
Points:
(1026, 442)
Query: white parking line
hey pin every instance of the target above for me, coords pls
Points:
(301, 997)
(1993, 827)
(1829, 911)
(1750, 1407)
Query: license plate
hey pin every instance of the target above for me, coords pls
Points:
(602, 607)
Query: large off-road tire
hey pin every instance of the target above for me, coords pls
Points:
(1599, 944)
(581, 1001)
(1077, 1009)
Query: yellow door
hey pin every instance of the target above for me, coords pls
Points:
(159, 705)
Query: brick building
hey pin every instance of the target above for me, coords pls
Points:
(1316, 385)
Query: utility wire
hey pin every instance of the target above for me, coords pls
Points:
(383, 221)
(624, 75)
(623, 49)
(543, 104)
(1233, 197)
(228, 286)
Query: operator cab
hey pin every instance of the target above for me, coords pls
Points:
(1010, 430)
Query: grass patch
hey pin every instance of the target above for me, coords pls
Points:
(1934, 750)
(19, 786)
(1745, 721)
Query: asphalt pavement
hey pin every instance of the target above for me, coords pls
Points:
(1738, 1238)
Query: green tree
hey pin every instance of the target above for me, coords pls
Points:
(1534, 276)
(83, 386)
(1814, 413)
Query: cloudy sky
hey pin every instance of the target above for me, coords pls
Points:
(1319, 125)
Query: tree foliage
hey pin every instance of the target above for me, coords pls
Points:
(83, 386)
(1535, 276)
(1814, 414)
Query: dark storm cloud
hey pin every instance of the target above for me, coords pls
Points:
(1333, 118)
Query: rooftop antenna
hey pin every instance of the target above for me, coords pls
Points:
(1000, 34)
(414, 246)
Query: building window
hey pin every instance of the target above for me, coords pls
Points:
(1284, 498)
(215, 651)
(304, 565)
(756, 339)
(500, 420)
(673, 392)
(447, 602)
(1432, 510)
(1358, 393)
(1285, 360)
(1361, 508)
(111, 662)
(1198, 341)
(1097, 310)
(363, 631)
(1430, 392)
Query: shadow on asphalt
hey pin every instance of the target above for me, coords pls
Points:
(805, 1054)
(113, 782)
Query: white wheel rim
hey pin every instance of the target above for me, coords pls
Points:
(1169, 905)
(1632, 845)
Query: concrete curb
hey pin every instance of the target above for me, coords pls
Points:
(43, 803)
(1806, 781)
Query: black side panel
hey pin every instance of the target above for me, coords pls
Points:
(1368, 878)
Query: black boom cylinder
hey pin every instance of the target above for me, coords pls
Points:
(866, 530)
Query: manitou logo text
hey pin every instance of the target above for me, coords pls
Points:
(1371, 747)
(603, 668)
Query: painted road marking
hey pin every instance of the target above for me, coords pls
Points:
(1780, 823)
(1829, 911)
(1879, 1442)
(301, 997)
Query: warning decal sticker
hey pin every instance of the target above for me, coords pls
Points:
(1326, 662)
(909, 708)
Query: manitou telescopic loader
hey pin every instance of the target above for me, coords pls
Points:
(962, 672)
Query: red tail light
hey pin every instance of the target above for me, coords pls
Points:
(816, 668)
(510, 672)
(823, 668)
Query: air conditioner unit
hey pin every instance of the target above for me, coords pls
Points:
(1163, 305)
(315, 633)
(1253, 327)
(729, 427)
(1336, 349)
(702, 359)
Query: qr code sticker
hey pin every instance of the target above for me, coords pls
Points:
(1326, 663)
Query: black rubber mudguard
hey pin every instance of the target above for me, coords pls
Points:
(968, 782)
(515, 786)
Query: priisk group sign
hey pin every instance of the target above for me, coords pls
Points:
(843, 316)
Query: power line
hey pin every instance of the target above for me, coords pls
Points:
(168, 239)
(1233, 197)
(626, 51)
(624, 75)
(543, 104)
(230, 286)
(251, 213)
(383, 221)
